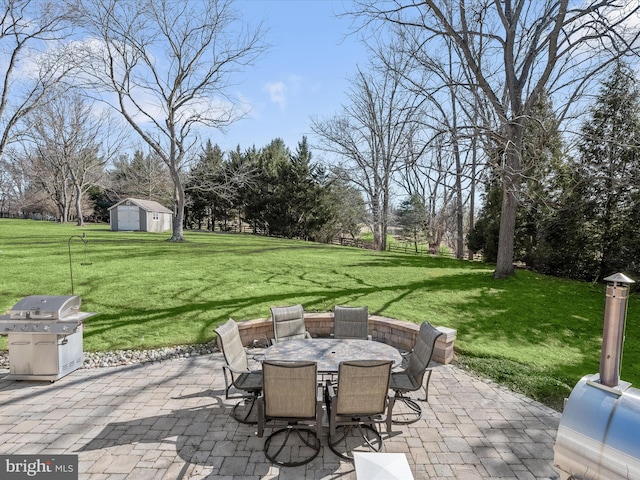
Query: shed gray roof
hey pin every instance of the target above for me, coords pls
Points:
(147, 205)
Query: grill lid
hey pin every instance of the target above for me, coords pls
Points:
(45, 307)
(44, 314)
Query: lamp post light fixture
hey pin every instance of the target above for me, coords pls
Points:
(615, 314)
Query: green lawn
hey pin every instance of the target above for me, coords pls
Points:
(538, 335)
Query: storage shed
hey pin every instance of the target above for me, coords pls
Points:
(133, 214)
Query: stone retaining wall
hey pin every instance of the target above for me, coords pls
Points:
(398, 333)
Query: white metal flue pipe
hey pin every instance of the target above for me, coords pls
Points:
(615, 314)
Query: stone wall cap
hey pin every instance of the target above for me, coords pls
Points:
(447, 333)
(403, 323)
(250, 323)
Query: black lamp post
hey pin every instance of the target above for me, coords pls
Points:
(85, 249)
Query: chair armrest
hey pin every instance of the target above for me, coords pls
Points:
(234, 370)
(405, 358)
(331, 390)
(258, 357)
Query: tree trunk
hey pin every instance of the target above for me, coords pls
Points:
(472, 187)
(178, 217)
(511, 178)
(459, 210)
(504, 262)
(80, 220)
(385, 217)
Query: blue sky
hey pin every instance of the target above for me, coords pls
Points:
(304, 73)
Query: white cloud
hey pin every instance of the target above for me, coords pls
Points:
(277, 93)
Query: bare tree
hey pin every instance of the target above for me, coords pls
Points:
(447, 129)
(9, 188)
(34, 62)
(514, 50)
(166, 66)
(68, 147)
(48, 173)
(373, 136)
(429, 177)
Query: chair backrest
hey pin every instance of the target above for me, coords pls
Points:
(423, 350)
(231, 346)
(289, 389)
(350, 322)
(288, 322)
(363, 387)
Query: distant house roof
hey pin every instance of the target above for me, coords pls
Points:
(147, 205)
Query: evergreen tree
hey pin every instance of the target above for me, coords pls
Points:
(484, 235)
(345, 208)
(308, 211)
(412, 217)
(205, 202)
(566, 236)
(142, 176)
(543, 158)
(609, 164)
(261, 206)
(244, 196)
(296, 205)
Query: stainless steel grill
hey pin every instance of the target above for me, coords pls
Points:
(44, 336)
(598, 433)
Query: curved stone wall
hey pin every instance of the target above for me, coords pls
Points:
(399, 333)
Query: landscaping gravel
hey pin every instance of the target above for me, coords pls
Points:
(132, 357)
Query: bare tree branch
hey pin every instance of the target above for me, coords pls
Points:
(167, 66)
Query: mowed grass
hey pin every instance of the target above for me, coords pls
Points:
(538, 335)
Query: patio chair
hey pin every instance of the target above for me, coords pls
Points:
(236, 371)
(292, 395)
(361, 401)
(351, 322)
(288, 323)
(412, 377)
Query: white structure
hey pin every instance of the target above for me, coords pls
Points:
(133, 214)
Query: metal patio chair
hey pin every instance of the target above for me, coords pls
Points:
(291, 396)
(412, 377)
(360, 402)
(351, 322)
(236, 371)
(288, 323)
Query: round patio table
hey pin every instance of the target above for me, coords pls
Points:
(329, 352)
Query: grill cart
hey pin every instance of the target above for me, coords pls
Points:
(44, 337)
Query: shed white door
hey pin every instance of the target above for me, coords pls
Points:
(128, 217)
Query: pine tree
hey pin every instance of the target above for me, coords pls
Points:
(609, 163)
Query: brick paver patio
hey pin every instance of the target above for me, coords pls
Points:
(169, 420)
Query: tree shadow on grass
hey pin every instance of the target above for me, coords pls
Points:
(494, 313)
(517, 320)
